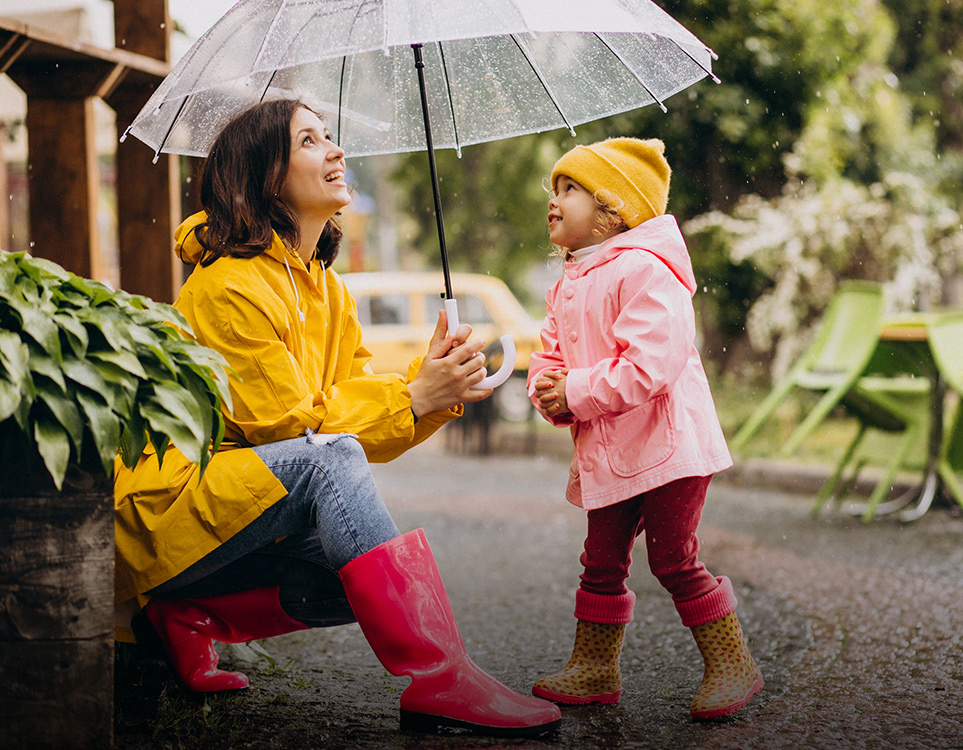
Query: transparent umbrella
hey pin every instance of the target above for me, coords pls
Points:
(408, 75)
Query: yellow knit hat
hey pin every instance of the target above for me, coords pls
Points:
(632, 170)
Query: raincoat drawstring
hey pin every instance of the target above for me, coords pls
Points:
(297, 295)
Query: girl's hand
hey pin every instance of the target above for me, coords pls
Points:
(449, 370)
(550, 391)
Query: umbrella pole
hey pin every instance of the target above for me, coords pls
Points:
(436, 190)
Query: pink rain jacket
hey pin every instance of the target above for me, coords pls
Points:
(622, 322)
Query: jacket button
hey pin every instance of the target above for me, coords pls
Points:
(573, 337)
(568, 292)
(588, 466)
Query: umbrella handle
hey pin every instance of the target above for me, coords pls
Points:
(508, 347)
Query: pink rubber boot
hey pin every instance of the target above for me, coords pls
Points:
(189, 627)
(398, 596)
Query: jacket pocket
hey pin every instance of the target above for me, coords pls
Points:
(639, 439)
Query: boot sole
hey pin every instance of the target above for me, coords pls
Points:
(430, 724)
(577, 700)
(718, 713)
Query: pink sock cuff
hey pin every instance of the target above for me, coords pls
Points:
(608, 609)
(718, 603)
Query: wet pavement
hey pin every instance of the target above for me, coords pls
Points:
(858, 628)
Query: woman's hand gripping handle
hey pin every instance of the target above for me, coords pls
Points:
(508, 346)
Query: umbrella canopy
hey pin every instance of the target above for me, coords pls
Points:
(494, 69)
(481, 70)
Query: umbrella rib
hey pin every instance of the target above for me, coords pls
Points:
(267, 86)
(170, 128)
(260, 49)
(451, 102)
(635, 75)
(344, 67)
(713, 76)
(541, 80)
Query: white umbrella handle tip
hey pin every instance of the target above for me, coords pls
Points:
(505, 371)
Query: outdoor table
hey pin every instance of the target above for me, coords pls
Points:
(903, 350)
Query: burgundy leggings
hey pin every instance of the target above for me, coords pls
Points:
(669, 516)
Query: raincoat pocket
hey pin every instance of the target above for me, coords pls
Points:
(639, 439)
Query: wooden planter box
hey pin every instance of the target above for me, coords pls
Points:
(56, 611)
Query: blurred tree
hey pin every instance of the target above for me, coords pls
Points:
(864, 197)
(493, 202)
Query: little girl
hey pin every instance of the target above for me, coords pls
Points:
(620, 368)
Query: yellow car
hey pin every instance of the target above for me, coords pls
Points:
(399, 310)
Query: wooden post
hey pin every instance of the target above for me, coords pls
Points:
(148, 208)
(63, 179)
(148, 194)
(57, 618)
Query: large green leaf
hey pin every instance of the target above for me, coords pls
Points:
(42, 270)
(9, 399)
(133, 440)
(84, 372)
(146, 339)
(104, 426)
(41, 328)
(75, 332)
(40, 364)
(113, 325)
(14, 356)
(115, 374)
(53, 446)
(123, 359)
(160, 441)
(171, 415)
(64, 409)
(96, 292)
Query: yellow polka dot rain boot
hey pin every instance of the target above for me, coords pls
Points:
(592, 674)
(731, 676)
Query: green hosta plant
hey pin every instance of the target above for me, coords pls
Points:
(87, 372)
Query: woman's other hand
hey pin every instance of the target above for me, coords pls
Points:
(451, 367)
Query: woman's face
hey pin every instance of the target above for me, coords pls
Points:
(314, 187)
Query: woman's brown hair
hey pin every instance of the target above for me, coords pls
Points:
(241, 183)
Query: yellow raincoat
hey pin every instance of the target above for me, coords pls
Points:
(292, 374)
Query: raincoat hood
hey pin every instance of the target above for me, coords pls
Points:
(659, 236)
(188, 247)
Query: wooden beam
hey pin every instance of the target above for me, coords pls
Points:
(63, 180)
(143, 26)
(48, 47)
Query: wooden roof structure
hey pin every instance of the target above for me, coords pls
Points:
(61, 78)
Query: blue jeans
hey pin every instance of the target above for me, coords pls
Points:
(332, 514)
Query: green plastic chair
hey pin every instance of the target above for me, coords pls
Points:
(892, 405)
(946, 342)
(831, 365)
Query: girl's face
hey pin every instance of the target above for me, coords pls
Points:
(573, 216)
(314, 187)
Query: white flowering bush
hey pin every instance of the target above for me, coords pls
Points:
(898, 231)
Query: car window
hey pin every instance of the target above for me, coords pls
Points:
(471, 309)
(383, 310)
